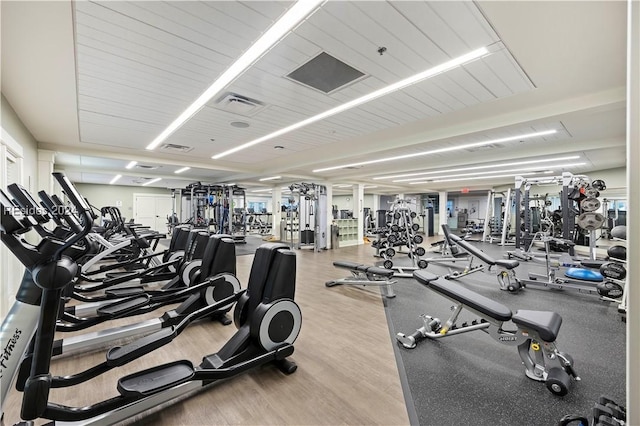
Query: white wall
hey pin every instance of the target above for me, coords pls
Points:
(343, 204)
(14, 126)
(11, 269)
(109, 195)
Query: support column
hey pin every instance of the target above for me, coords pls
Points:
(329, 207)
(633, 212)
(358, 209)
(46, 160)
(276, 204)
(443, 216)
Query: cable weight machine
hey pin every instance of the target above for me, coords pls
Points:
(312, 216)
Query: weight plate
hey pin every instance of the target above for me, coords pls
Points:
(590, 221)
(590, 204)
(387, 264)
(418, 239)
(612, 270)
(599, 185)
(592, 193)
(392, 238)
(390, 252)
(396, 215)
(415, 227)
(413, 215)
(422, 264)
(420, 251)
(395, 228)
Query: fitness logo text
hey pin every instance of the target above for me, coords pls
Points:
(8, 349)
(507, 338)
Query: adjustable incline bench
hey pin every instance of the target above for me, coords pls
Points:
(506, 268)
(365, 275)
(535, 333)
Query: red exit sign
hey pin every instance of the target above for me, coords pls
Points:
(465, 190)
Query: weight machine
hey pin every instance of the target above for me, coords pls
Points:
(221, 207)
(312, 216)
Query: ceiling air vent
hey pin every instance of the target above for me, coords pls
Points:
(325, 73)
(238, 104)
(172, 147)
(146, 167)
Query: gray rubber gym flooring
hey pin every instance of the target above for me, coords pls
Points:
(471, 379)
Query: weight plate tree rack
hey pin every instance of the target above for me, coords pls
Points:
(401, 231)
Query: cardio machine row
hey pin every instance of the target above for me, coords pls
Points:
(267, 317)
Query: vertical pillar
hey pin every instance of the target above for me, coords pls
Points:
(443, 216)
(329, 207)
(46, 160)
(358, 209)
(633, 212)
(276, 204)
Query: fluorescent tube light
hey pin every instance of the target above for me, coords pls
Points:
(484, 177)
(296, 14)
(184, 169)
(131, 164)
(441, 150)
(115, 179)
(370, 186)
(152, 181)
(464, 169)
(262, 190)
(270, 178)
(438, 69)
(343, 186)
(492, 171)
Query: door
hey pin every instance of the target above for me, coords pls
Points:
(152, 210)
(10, 268)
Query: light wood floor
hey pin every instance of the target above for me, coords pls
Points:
(346, 367)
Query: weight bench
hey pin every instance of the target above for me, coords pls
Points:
(452, 253)
(365, 275)
(535, 333)
(506, 268)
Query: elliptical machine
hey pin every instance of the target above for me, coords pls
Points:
(268, 319)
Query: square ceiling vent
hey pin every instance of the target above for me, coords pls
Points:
(325, 73)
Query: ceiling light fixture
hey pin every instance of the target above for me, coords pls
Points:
(262, 190)
(115, 179)
(296, 14)
(270, 178)
(464, 169)
(441, 150)
(410, 180)
(438, 69)
(343, 186)
(184, 169)
(131, 164)
(152, 181)
(484, 177)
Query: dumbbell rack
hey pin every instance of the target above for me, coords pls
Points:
(400, 232)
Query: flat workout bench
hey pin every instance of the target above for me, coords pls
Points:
(365, 275)
(534, 336)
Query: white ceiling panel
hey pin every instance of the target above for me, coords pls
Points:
(137, 65)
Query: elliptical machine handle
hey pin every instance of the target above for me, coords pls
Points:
(83, 209)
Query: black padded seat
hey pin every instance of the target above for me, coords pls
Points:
(546, 324)
(473, 300)
(507, 264)
(424, 277)
(470, 248)
(362, 268)
(387, 273)
(595, 264)
(346, 264)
